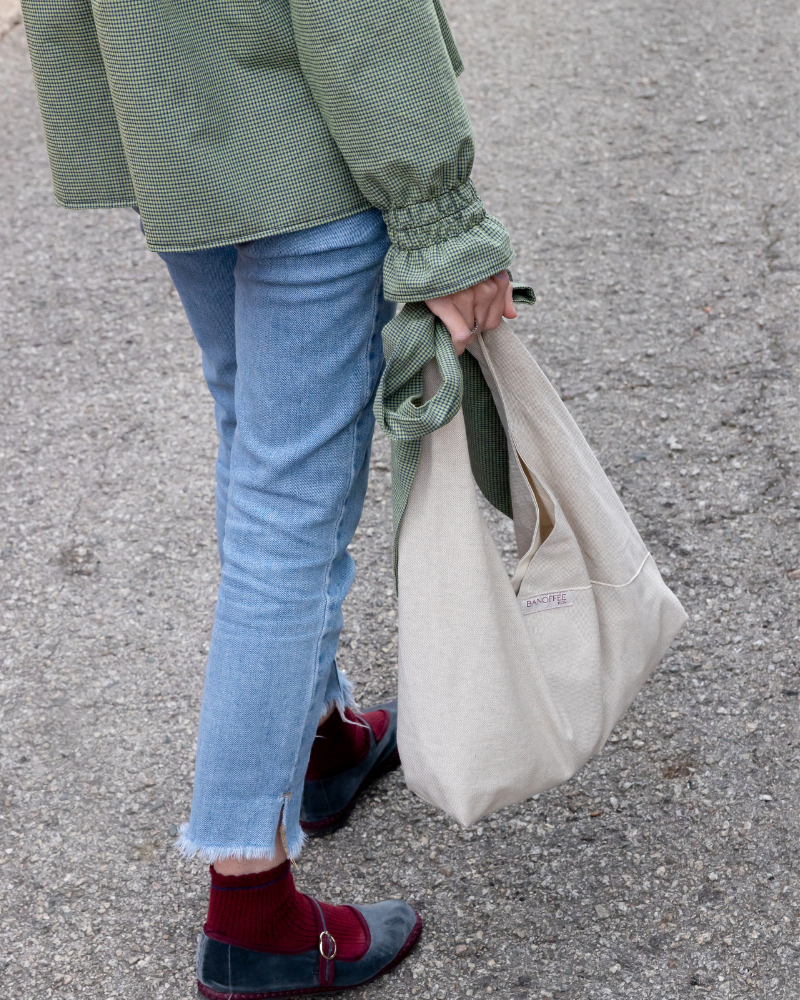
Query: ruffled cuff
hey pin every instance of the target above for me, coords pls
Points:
(443, 246)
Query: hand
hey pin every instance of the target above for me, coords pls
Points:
(475, 309)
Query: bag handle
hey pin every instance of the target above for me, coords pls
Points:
(410, 340)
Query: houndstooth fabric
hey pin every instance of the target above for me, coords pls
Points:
(229, 120)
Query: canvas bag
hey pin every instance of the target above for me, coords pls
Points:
(507, 687)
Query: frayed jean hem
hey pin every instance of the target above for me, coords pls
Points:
(188, 848)
(343, 698)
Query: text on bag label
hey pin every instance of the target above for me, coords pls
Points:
(546, 602)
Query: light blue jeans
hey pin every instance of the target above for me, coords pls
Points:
(289, 327)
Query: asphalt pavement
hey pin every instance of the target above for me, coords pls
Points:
(644, 156)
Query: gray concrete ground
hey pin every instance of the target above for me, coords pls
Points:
(10, 16)
(644, 155)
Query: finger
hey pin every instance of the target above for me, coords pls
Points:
(453, 320)
(464, 301)
(497, 307)
(485, 292)
(461, 340)
(460, 343)
(510, 311)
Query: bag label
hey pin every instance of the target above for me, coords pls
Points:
(546, 602)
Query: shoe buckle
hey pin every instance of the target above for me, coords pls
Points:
(327, 948)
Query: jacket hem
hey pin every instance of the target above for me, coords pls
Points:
(87, 205)
(260, 234)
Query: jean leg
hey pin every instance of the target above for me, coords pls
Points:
(204, 279)
(309, 310)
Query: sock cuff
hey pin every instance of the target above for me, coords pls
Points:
(255, 880)
(270, 915)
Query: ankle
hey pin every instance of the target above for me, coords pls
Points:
(251, 866)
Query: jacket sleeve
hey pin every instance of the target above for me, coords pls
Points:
(383, 73)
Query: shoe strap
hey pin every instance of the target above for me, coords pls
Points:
(327, 947)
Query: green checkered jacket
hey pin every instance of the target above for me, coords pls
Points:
(229, 120)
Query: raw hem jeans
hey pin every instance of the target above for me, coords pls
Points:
(289, 327)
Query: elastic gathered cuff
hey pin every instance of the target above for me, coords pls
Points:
(415, 270)
(428, 222)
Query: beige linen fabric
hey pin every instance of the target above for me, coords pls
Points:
(507, 687)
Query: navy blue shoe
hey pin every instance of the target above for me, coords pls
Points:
(328, 802)
(225, 972)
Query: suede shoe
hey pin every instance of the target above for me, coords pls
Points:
(328, 802)
(227, 972)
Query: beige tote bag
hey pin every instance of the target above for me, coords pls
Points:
(508, 686)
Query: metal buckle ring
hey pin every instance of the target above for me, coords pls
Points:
(332, 940)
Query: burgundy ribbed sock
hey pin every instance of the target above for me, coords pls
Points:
(264, 912)
(340, 745)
